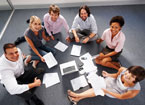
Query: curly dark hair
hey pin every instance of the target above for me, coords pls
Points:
(137, 71)
(85, 7)
(118, 19)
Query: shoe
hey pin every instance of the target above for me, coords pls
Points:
(36, 100)
(26, 60)
(19, 40)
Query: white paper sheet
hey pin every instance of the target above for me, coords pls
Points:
(76, 50)
(88, 63)
(68, 64)
(97, 83)
(50, 79)
(50, 60)
(79, 82)
(61, 46)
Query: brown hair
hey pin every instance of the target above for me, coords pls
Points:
(54, 8)
(7, 46)
(137, 71)
(85, 7)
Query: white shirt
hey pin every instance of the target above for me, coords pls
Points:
(89, 23)
(9, 71)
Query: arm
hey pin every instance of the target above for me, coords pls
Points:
(33, 47)
(74, 26)
(98, 41)
(37, 82)
(45, 37)
(13, 87)
(46, 25)
(89, 37)
(11, 84)
(114, 75)
(129, 94)
(109, 54)
(75, 35)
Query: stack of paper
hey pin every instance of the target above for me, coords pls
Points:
(50, 60)
(88, 63)
(50, 79)
(61, 46)
(76, 50)
(97, 83)
(79, 82)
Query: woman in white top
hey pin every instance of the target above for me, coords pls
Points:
(121, 85)
(114, 39)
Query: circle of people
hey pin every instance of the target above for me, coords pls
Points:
(121, 85)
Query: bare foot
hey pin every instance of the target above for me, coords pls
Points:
(27, 60)
(35, 62)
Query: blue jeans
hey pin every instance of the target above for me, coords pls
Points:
(42, 51)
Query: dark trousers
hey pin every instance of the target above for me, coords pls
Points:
(26, 78)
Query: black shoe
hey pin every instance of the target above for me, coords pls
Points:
(20, 40)
(28, 102)
(36, 100)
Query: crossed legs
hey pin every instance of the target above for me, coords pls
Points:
(107, 62)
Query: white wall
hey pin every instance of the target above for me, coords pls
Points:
(26, 4)
(4, 5)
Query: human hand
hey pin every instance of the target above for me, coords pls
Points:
(42, 59)
(37, 82)
(86, 40)
(105, 74)
(98, 41)
(52, 37)
(47, 38)
(68, 39)
(77, 39)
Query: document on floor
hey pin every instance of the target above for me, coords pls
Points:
(68, 67)
(76, 50)
(50, 79)
(88, 66)
(97, 83)
(79, 82)
(61, 46)
(50, 60)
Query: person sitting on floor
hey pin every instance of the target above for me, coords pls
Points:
(121, 85)
(33, 36)
(16, 78)
(114, 39)
(84, 27)
(54, 21)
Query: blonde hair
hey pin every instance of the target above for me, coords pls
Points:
(32, 19)
(54, 8)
